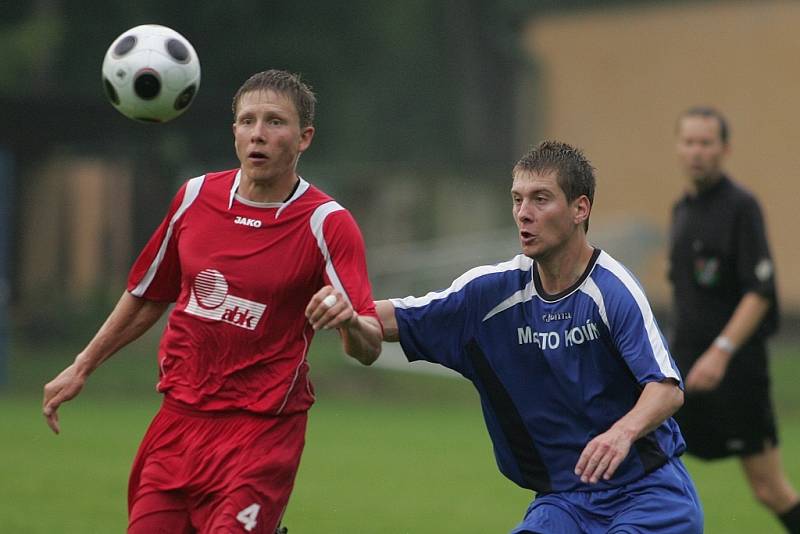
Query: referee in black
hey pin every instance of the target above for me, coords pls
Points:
(725, 307)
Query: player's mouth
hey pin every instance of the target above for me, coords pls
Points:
(257, 157)
(526, 237)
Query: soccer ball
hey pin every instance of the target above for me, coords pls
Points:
(151, 73)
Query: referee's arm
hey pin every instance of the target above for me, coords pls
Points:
(709, 369)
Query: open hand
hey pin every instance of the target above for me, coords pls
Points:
(62, 388)
(602, 455)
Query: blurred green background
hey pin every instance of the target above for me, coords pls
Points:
(424, 106)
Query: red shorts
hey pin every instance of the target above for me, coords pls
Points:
(214, 472)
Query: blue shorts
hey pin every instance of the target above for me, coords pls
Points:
(662, 502)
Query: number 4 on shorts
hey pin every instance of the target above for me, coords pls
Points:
(249, 516)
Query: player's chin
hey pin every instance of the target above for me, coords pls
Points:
(529, 249)
(257, 173)
(256, 167)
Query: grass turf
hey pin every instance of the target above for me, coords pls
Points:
(387, 452)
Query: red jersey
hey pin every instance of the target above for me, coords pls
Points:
(241, 274)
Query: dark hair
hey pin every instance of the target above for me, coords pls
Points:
(708, 112)
(574, 173)
(285, 83)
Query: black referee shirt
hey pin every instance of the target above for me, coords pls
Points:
(718, 252)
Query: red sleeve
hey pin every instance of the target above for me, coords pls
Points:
(347, 268)
(156, 273)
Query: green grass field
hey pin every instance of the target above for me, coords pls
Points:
(387, 452)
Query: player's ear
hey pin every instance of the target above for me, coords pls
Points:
(582, 208)
(306, 135)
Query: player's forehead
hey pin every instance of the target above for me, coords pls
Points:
(265, 100)
(529, 182)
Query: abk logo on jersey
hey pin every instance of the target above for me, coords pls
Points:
(209, 298)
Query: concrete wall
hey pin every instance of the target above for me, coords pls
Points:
(614, 80)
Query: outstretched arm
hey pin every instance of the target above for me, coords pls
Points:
(603, 454)
(361, 336)
(131, 317)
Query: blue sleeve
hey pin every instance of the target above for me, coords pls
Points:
(435, 328)
(635, 332)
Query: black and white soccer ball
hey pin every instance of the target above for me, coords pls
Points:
(151, 73)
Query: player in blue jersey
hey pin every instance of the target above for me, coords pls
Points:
(576, 381)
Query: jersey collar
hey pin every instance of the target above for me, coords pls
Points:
(547, 297)
(234, 188)
(301, 188)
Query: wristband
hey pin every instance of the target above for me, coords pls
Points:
(725, 343)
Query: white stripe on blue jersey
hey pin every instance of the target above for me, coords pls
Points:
(520, 297)
(520, 262)
(653, 334)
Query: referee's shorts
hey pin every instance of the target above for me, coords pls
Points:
(735, 419)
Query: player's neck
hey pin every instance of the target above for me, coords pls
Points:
(265, 190)
(561, 269)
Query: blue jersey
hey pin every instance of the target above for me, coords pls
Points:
(553, 371)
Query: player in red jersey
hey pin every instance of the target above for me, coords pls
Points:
(244, 254)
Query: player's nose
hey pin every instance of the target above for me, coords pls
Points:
(259, 133)
(524, 212)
